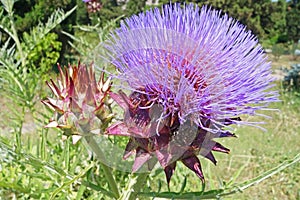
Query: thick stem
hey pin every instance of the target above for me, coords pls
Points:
(107, 170)
(135, 184)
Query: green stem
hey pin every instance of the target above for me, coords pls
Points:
(43, 144)
(107, 170)
(19, 130)
(136, 183)
(19, 137)
(67, 154)
(16, 38)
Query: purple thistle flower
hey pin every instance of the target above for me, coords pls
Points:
(192, 72)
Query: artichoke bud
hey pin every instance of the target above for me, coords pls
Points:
(80, 104)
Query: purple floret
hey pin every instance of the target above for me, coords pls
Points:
(210, 64)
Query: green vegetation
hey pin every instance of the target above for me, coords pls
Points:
(35, 163)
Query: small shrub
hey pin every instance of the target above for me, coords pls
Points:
(45, 55)
(291, 80)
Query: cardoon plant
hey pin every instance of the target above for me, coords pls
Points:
(191, 72)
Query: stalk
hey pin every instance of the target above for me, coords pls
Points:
(135, 184)
(107, 170)
(14, 35)
(19, 131)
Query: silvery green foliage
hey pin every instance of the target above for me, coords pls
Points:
(292, 77)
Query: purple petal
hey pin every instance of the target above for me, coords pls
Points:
(220, 148)
(54, 88)
(121, 99)
(51, 103)
(169, 171)
(226, 134)
(118, 128)
(211, 157)
(164, 157)
(193, 164)
(141, 158)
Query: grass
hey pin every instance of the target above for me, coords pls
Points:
(258, 151)
(252, 153)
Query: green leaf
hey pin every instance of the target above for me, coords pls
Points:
(69, 182)
(262, 177)
(43, 165)
(237, 174)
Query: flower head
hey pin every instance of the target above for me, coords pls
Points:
(93, 5)
(191, 72)
(79, 102)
